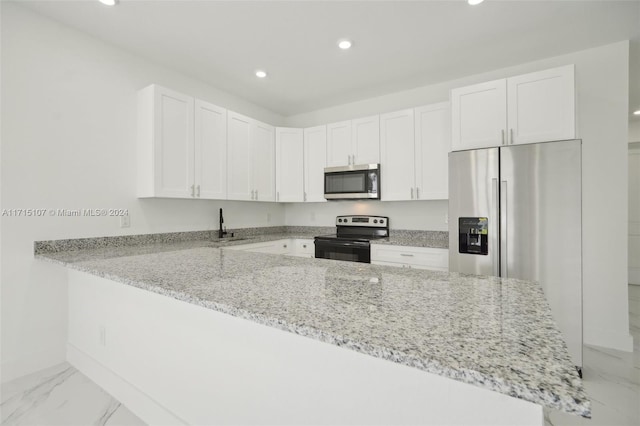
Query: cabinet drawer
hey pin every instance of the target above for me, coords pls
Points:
(416, 257)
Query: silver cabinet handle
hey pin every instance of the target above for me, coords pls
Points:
(417, 193)
(406, 254)
(193, 193)
(504, 271)
(412, 193)
(198, 191)
(305, 197)
(502, 137)
(256, 194)
(511, 136)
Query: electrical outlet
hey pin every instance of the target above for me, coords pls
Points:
(103, 335)
(125, 221)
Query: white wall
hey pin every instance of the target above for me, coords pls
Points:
(68, 141)
(423, 215)
(634, 131)
(602, 81)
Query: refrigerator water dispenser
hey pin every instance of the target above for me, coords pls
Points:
(473, 235)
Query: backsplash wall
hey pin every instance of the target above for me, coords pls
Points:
(420, 215)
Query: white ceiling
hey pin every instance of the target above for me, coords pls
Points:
(397, 45)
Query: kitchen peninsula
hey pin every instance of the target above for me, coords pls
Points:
(190, 333)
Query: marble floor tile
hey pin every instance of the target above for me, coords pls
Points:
(61, 395)
(612, 380)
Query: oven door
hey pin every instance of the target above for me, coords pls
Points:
(352, 251)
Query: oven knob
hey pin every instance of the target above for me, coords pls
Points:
(376, 221)
(381, 221)
(339, 220)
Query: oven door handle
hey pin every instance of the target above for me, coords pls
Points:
(342, 243)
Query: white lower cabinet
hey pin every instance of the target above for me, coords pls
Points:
(304, 248)
(299, 247)
(410, 257)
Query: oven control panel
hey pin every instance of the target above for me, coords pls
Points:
(368, 221)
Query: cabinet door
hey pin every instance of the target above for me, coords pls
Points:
(479, 115)
(432, 146)
(365, 140)
(210, 151)
(304, 248)
(396, 155)
(541, 106)
(339, 144)
(173, 144)
(315, 149)
(289, 165)
(239, 185)
(263, 161)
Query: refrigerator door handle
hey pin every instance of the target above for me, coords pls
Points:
(495, 232)
(503, 230)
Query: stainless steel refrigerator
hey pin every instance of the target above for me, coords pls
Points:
(516, 212)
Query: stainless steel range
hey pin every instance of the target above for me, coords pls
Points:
(351, 242)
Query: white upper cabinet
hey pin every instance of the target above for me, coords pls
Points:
(210, 151)
(178, 138)
(535, 107)
(339, 144)
(165, 144)
(541, 106)
(432, 146)
(239, 183)
(263, 161)
(289, 164)
(479, 115)
(365, 140)
(315, 149)
(396, 154)
(354, 142)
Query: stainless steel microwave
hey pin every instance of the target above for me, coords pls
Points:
(354, 182)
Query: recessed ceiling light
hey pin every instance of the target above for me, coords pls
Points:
(261, 74)
(474, 2)
(109, 2)
(344, 44)
(636, 112)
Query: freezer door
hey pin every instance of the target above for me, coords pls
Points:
(473, 211)
(541, 227)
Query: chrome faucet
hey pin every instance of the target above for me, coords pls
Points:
(221, 231)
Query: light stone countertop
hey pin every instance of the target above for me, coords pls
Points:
(490, 332)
